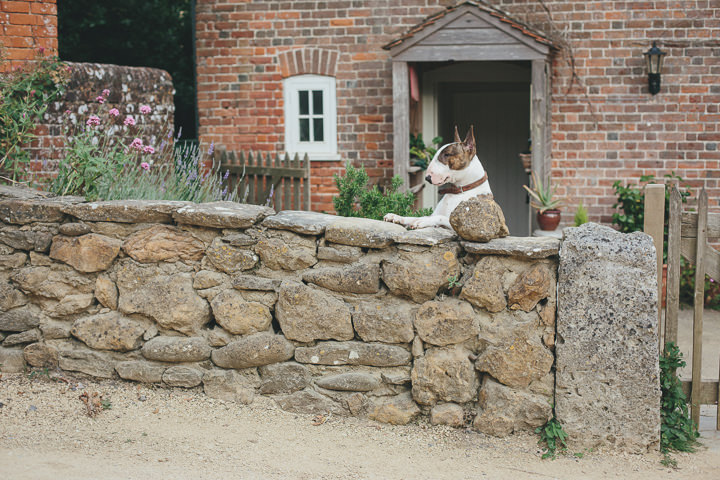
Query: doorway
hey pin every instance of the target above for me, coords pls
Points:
(494, 97)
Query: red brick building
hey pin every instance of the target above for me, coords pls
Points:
(591, 119)
(27, 25)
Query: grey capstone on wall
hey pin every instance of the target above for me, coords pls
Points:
(607, 373)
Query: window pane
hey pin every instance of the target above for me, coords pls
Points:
(304, 129)
(304, 102)
(318, 129)
(317, 102)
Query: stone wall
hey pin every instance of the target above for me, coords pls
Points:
(607, 388)
(323, 314)
(130, 87)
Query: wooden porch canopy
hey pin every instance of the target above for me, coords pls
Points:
(472, 31)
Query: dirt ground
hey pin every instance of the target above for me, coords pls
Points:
(150, 433)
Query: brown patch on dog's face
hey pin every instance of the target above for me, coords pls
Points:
(458, 155)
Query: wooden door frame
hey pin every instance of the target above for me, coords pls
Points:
(540, 123)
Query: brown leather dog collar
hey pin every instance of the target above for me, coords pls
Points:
(454, 189)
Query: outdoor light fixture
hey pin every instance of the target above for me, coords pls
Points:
(654, 58)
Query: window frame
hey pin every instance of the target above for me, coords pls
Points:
(327, 149)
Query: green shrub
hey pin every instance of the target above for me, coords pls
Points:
(356, 199)
(24, 97)
(678, 432)
(631, 199)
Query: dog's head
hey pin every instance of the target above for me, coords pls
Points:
(451, 158)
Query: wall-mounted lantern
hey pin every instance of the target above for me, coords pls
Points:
(654, 58)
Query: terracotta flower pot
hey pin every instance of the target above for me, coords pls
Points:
(548, 220)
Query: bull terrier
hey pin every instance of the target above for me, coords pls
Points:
(456, 169)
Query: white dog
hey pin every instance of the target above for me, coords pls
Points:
(457, 171)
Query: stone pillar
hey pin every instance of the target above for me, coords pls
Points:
(607, 389)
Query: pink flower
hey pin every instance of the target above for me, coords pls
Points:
(32, 93)
(145, 165)
(105, 92)
(149, 149)
(114, 112)
(67, 112)
(136, 144)
(144, 109)
(93, 121)
(100, 99)
(41, 50)
(129, 121)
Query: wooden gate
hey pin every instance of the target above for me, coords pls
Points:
(275, 181)
(687, 237)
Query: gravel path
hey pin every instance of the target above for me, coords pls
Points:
(45, 433)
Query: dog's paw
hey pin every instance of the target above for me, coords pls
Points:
(394, 218)
(423, 222)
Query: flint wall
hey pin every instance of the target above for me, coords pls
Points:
(130, 87)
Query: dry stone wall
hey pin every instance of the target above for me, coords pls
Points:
(323, 314)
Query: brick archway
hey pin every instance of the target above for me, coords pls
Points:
(308, 61)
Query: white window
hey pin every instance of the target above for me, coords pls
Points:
(311, 116)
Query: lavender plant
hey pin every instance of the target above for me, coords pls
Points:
(180, 178)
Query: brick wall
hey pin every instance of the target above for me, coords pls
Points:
(605, 128)
(609, 127)
(245, 49)
(27, 25)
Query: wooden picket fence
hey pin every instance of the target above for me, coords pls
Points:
(277, 181)
(687, 237)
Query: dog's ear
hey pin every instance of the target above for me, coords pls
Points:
(457, 136)
(469, 142)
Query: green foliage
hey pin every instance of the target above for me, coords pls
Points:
(631, 199)
(100, 163)
(542, 197)
(553, 436)
(677, 432)
(420, 154)
(687, 287)
(89, 159)
(141, 33)
(454, 281)
(581, 216)
(39, 373)
(24, 97)
(106, 404)
(356, 199)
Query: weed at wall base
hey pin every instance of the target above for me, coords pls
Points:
(678, 432)
(553, 436)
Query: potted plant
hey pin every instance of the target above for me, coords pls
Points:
(420, 154)
(542, 198)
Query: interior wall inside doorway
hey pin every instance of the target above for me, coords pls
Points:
(494, 97)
